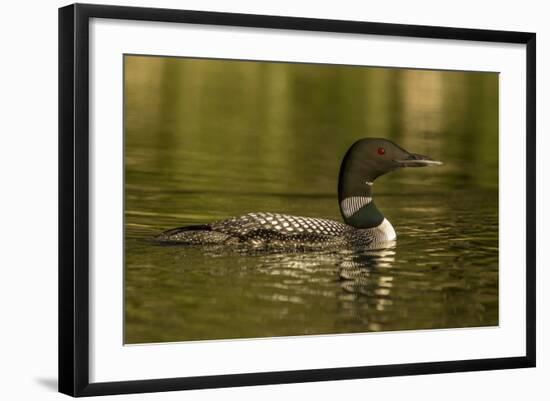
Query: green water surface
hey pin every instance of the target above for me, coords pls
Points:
(208, 139)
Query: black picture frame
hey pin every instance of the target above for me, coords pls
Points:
(74, 198)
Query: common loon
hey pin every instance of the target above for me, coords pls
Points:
(364, 225)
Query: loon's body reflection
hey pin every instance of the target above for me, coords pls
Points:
(369, 273)
(362, 272)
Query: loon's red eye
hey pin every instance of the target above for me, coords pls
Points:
(381, 151)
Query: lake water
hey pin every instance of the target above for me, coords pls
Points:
(206, 140)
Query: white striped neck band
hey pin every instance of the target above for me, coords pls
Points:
(352, 204)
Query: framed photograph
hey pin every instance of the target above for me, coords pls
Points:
(251, 199)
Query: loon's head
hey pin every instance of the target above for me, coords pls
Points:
(365, 161)
(369, 158)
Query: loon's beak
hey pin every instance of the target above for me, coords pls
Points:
(416, 160)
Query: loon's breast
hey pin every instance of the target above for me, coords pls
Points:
(279, 230)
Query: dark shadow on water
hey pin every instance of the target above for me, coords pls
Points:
(48, 382)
